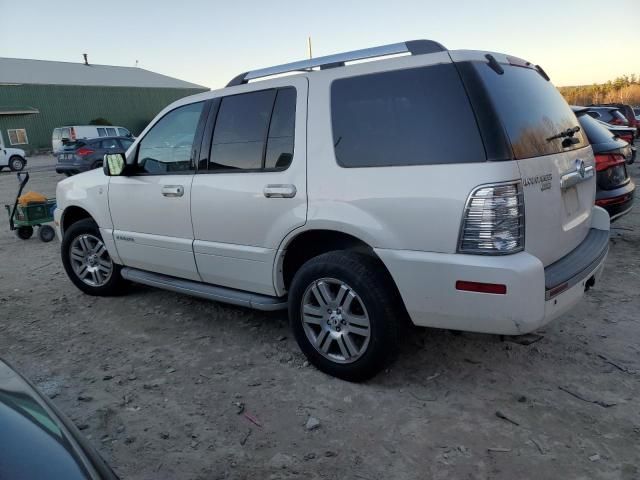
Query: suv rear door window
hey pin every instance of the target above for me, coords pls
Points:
(254, 131)
(531, 110)
(281, 130)
(418, 116)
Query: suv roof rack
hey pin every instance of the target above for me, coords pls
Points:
(414, 47)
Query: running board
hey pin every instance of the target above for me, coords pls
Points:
(204, 290)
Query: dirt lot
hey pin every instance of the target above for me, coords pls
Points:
(156, 380)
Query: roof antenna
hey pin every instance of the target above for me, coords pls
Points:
(136, 63)
(86, 60)
(309, 47)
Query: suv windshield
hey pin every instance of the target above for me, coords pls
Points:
(531, 110)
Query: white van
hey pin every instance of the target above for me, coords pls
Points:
(63, 134)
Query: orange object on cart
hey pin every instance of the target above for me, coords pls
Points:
(31, 197)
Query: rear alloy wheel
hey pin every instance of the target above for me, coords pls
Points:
(344, 311)
(87, 261)
(16, 163)
(335, 320)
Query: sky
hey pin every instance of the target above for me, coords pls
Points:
(577, 42)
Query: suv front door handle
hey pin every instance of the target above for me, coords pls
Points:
(172, 190)
(280, 191)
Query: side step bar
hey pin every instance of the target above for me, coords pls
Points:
(204, 290)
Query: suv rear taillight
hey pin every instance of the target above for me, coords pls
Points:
(84, 151)
(611, 171)
(73, 133)
(493, 220)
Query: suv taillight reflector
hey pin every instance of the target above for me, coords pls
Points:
(480, 287)
(493, 220)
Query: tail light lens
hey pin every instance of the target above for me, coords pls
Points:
(493, 220)
(611, 171)
(73, 133)
(84, 151)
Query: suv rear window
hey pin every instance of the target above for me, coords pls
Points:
(418, 116)
(531, 110)
(596, 132)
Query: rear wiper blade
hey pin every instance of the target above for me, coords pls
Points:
(569, 132)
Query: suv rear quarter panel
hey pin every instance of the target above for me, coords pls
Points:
(398, 207)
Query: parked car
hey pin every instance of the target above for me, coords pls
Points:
(63, 135)
(615, 190)
(82, 155)
(610, 115)
(354, 195)
(625, 109)
(37, 441)
(628, 134)
(14, 158)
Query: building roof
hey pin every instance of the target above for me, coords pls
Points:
(44, 72)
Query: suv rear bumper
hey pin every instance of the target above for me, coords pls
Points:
(427, 284)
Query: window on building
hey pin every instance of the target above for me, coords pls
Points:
(18, 136)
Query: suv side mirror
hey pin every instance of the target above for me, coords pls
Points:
(114, 164)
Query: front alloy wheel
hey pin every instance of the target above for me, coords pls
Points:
(87, 261)
(90, 260)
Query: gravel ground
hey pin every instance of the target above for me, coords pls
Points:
(169, 387)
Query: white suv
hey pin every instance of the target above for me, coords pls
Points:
(454, 187)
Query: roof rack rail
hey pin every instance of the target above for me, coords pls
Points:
(414, 47)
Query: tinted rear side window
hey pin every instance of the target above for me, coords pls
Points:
(418, 116)
(531, 110)
(241, 130)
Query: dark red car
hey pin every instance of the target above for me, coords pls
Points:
(615, 189)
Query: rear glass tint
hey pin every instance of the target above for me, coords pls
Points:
(595, 131)
(418, 116)
(531, 110)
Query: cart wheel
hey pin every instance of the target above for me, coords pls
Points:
(46, 233)
(24, 233)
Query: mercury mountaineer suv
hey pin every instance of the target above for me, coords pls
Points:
(452, 187)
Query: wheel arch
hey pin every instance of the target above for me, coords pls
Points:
(73, 214)
(302, 245)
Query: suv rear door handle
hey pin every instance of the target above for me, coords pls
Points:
(280, 191)
(172, 190)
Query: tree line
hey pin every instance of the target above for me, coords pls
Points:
(624, 89)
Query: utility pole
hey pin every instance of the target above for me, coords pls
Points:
(309, 47)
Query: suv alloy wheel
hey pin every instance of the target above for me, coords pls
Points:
(344, 313)
(87, 261)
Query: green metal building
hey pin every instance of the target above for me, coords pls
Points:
(37, 96)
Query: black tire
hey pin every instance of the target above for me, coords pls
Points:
(46, 233)
(16, 163)
(24, 233)
(115, 283)
(370, 281)
(68, 174)
(97, 164)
